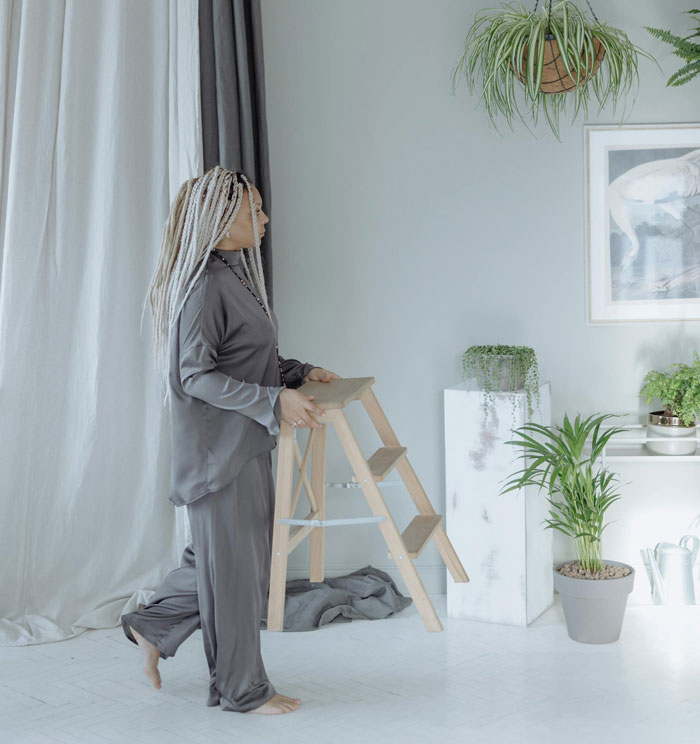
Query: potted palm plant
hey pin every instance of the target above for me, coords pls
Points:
(679, 392)
(532, 60)
(593, 590)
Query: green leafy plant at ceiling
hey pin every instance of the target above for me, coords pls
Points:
(687, 50)
(523, 57)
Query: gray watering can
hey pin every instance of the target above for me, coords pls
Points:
(670, 570)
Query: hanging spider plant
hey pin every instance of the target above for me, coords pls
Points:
(532, 60)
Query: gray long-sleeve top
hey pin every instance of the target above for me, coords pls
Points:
(224, 382)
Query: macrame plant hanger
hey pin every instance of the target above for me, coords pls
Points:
(549, 13)
(555, 77)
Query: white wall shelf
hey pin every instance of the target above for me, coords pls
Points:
(630, 445)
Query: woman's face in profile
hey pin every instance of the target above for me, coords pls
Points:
(242, 232)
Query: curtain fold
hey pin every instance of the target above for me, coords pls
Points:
(100, 123)
(232, 83)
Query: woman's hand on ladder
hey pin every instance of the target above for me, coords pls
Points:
(297, 409)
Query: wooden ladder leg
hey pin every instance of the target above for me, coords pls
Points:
(413, 485)
(391, 533)
(318, 488)
(280, 532)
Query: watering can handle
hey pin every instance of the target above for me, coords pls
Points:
(696, 545)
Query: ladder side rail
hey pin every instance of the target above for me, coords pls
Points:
(391, 534)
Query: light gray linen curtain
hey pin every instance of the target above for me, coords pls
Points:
(99, 126)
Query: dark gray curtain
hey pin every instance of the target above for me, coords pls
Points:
(232, 79)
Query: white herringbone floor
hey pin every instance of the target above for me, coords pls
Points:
(377, 681)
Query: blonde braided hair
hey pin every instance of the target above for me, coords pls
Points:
(200, 215)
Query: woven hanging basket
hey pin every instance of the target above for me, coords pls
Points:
(555, 79)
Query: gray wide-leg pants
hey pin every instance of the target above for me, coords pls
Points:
(220, 586)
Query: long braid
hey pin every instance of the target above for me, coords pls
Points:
(258, 275)
(201, 213)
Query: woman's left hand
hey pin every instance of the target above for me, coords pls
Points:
(318, 374)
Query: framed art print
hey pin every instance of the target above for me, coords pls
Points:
(642, 194)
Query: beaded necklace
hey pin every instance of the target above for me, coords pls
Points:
(218, 255)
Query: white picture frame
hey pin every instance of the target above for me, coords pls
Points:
(642, 220)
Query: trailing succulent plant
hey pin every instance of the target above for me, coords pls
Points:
(487, 364)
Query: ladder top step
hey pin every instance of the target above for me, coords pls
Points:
(336, 393)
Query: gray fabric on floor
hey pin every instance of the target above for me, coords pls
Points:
(368, 593)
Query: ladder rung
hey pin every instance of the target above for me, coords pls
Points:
(332, 522)
(418, 533)
(383, 461)
(357, 484)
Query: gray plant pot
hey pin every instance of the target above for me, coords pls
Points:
(594, 608)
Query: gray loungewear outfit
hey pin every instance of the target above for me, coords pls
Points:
(225, 384)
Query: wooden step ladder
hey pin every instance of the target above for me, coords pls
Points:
(404, 547)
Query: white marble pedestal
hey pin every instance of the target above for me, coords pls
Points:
(500, 539)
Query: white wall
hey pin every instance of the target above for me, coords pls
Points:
(405, 229)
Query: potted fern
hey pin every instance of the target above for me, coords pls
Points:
(686, 50)
(531, 60)
(679, 392)
(593, 590)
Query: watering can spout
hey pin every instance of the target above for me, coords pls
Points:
(655, 579)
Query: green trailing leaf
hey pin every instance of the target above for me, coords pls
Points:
(685, 74)
(683, 48)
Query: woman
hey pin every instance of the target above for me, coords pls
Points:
(228, 391)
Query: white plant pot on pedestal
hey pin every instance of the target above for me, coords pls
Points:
(500, 538)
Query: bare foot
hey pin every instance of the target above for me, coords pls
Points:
(278, 704)
(150, 655)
